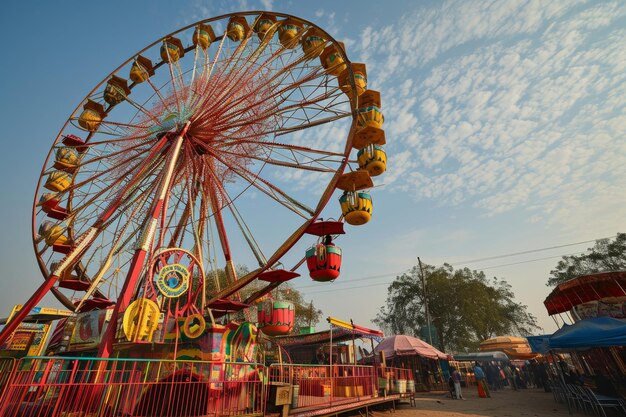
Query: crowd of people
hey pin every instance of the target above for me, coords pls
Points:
(493, 376)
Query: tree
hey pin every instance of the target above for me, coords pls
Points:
(465, 307)
(306, 313)
(605, 255)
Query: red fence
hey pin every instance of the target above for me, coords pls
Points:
(80, 387)
(88, 387)
(7, 366)
(323, 385)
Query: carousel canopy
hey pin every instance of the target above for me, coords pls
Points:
(584, 289)
(514, 347)
(588, 333)
(402, 345)
(482, 356)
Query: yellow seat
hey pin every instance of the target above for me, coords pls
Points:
(52, 234)
(288, 32)
(237, 28)
(369, 110)
(66, 158)
(92, 115)
(360, 79)
(116, 90)
(265, 26)
(58, 181)
(356, 207)
(332, 59)
(203, 36)
(313, 43)
(373, 158)
(172, 50)
(141, 70)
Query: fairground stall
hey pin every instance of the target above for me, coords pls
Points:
(187, 161)
(427, 364)
(336, 366)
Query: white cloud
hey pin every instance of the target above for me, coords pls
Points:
(519, 105)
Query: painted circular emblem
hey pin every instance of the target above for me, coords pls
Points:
(173, 280)
(194, 326)
(141, 319)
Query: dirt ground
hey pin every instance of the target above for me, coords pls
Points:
(503, 403)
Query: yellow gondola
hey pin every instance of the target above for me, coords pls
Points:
(52, 234)
(237, 28)
(369, 110)
(373, 158)
(360, 79)
(66, 158)
(313, 43)
(172, 50)
(141, 70)
(356, 207)
(116, 90)
(58, 181)
(92, 115)
(203, 36)
(332, 59)
(265, 25)
(288, 32)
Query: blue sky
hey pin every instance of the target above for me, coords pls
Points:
(505, 125)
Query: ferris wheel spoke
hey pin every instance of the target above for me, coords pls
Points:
(103, 158)
(143, 111)
(136, 172)
(158, 94)
(247, 234)
(268, 189)
(173, 79)
(282, 163)
(277, 145)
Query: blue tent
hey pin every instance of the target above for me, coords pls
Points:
(539, 344)
(588, 333)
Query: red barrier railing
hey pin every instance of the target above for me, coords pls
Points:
(58, 387)
(7, 366)
(323, 385)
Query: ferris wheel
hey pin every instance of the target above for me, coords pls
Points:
(203, 140)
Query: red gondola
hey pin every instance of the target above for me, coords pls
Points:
(276, 318)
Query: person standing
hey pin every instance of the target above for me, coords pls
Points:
(479, 374)
(456, 377)
(510, 376)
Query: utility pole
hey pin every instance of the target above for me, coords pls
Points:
(430, 335)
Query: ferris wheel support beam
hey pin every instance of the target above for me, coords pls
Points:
(43, 289)
(145, 243)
